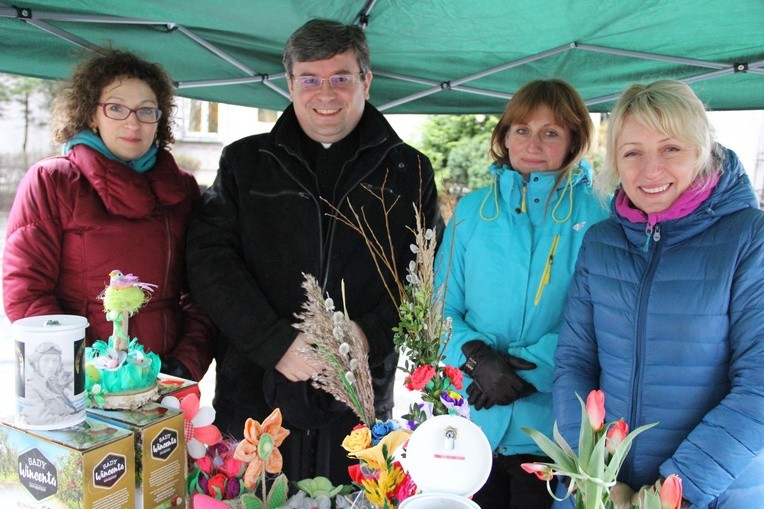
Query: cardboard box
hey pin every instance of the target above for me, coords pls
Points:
(160, 453)
(90, 465)
(174, 386)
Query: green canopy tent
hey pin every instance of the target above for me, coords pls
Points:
(428, 56)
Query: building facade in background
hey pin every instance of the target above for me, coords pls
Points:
(202, 129)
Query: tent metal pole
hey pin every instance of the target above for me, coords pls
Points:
(230, 81)
(469, 90)
(691, 79)
(448, 85)
(266, 80)
(7, 12)
(757, 67)
(215, 50)
(401, 77)
(221, 82)
(38, 16)
(362, 18)
(268, 83)
(11, 12)
(510, 65)
(63, 34)
(651, 56)
(486, 93)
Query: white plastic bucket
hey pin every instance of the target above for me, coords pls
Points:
(50, 371)
(438, 501)
(449, 459)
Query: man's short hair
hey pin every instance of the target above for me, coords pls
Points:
(320, 39)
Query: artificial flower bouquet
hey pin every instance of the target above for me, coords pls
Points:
(346, 376)
(421, 336)
(592, 473)
(423, 332)
(246, 474)
(379, 474)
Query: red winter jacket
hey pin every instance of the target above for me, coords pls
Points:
(77, 217)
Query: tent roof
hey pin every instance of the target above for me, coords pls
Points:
(428, 56)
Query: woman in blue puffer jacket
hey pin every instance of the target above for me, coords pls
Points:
(666, 308)
(506, 259)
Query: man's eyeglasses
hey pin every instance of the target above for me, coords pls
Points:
(117, 111)
(315, 82)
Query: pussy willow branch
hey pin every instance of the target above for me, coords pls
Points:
(360, 224)
(338, 350)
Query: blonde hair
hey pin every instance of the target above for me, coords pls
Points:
(668, 107)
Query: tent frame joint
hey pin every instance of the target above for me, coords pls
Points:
(23, 12)
(741, 67)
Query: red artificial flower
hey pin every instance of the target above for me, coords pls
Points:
(615, 435)
(231, 467)
(455, 375)
(419, 378)
(216, 486)
(205, 464)
(595, 409)
(405, 489)
(671, 493)
(543, 472)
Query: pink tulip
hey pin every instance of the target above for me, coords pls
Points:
(615, 435)
(595, 409)
(671, 493)
(543, 472)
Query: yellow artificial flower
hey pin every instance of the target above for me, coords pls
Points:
(374, 493)
(358, 440)
(373, 456)
(377, 490)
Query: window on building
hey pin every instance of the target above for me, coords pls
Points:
(264, 115)
(200, 119)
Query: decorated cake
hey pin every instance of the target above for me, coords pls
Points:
(119, 374)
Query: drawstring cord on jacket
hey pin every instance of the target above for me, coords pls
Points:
(568, 189)
(491, 191)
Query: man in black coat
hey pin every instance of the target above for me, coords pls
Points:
(270, 216)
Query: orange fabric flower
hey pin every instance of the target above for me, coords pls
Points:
(260, 448)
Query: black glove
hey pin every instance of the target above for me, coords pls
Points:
(173, 367)
(494, 381)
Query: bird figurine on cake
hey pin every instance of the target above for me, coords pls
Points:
(119, 373)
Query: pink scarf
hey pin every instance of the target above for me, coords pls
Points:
(687, 202)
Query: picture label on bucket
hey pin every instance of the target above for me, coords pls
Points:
(50, 371)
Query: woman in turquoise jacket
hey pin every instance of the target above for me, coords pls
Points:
(506, 260)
